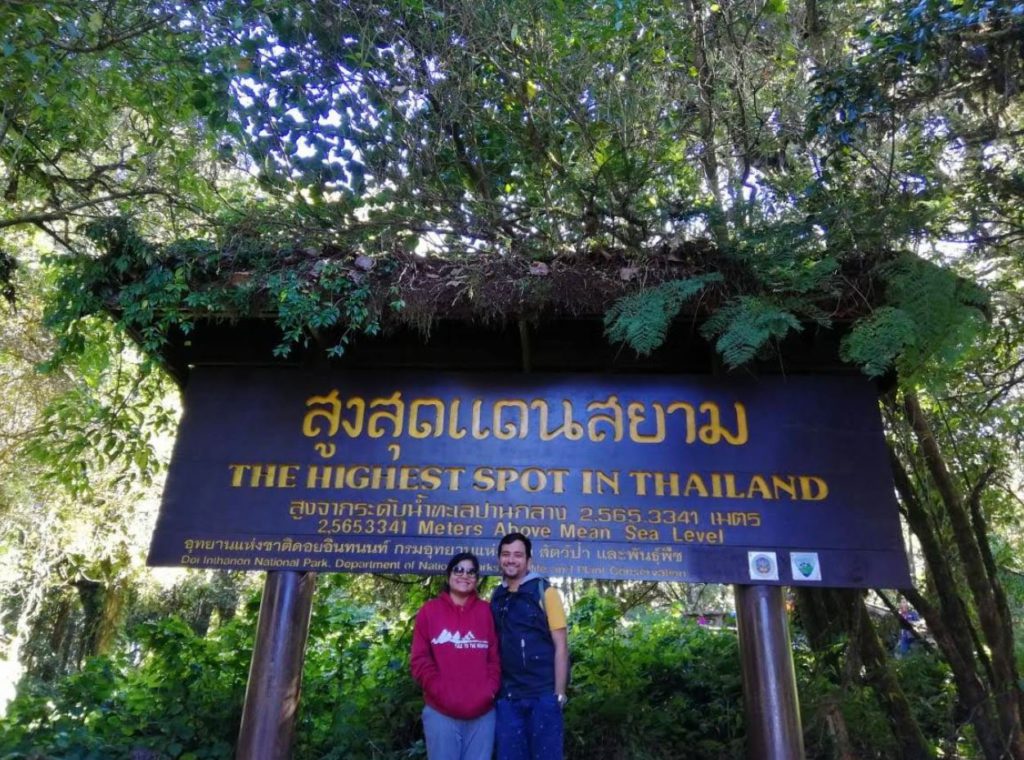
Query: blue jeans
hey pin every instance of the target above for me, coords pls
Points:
(529, 728)
(456, 739)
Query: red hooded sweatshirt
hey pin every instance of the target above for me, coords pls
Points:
(455, 656)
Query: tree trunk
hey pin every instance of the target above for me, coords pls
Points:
(879, 673)
(829, 615)
(102, 604)
(706, 112)
(49, 644)
(23, 627)
(986, 590)
(950, 622)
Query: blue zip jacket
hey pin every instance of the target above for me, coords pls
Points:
(527, 649)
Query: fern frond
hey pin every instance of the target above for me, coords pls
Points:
(641, 320)
(745, 326)
(931, 313)
(876, 342)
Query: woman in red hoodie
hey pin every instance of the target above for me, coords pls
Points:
(455, 659)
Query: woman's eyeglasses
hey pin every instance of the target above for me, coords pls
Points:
(459, 570)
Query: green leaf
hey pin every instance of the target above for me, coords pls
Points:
(747, 326)
(641, 320)
(877, 342)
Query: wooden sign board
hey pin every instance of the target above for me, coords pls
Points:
(678, 478)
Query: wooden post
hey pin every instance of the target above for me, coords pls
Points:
(769, 681)
(275, 676)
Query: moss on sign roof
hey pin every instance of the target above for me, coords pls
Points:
(327, 297)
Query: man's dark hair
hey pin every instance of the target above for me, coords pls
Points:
(516, 537)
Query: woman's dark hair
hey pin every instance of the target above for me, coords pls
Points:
(455, 561)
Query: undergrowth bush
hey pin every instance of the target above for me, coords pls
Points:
(652, 686)
(178, 694)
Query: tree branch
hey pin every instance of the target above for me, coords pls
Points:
(66, 211)
(123, 35)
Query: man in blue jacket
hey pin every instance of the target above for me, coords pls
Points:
(530, 620)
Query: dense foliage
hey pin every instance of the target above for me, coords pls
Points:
(653, 686)
(536, 131)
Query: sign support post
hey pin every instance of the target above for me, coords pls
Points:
(275, 676)
(769, 681)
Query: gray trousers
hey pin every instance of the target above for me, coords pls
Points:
(455, 739)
